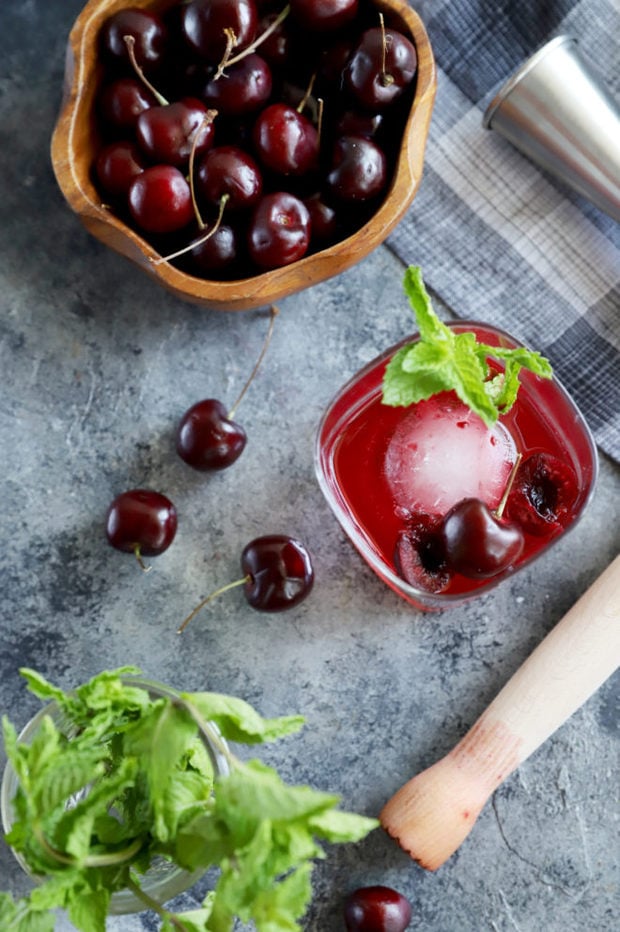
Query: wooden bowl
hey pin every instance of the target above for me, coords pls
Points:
(75, 141)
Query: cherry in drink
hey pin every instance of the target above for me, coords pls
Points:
(443, 501)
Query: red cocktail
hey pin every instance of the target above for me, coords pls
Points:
(393, 474)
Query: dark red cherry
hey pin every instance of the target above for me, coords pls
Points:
(160, 200)
(355, 123)
(168, 132)
(285, 140)
(142, 522)
(381, 67)
(148, 31)
(242, 89)
(205, 24)
(419, 556)
(122, 101)
(332, 63)
(276, 48)
(323, 219)
(376, 909)
(229, 170)
(116, 166)
(277, 575)
(219, 253)
(477, 544)
(207, 439)
(358, 169)
(279, 230)
(324, 15)
(544, 492)
(279, 571)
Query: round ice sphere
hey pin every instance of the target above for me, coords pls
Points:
(441, 452)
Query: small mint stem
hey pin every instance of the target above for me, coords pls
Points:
(93, 860)
(209, 733)
(150, 903)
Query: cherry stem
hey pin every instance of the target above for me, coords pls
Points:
(227, 60)
(304, 100)
(273, 313)
(499, 511)
(208, 118)
(138, 555)
(130, 42)
(386, 79)
(230, 44)
(200, 240)
(210, 597)
(319, 122)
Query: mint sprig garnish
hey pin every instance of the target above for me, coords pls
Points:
(152, 793)
(443, 360)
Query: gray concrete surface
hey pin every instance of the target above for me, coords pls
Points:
(97, 364)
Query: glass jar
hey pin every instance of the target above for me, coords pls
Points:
(164, 880)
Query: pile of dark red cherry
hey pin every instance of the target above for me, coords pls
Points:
(245, 133)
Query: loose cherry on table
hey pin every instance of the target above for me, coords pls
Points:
(142, 522)
(277, 574)
(207, 437)
(376, 909)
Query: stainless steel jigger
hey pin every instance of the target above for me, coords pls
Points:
(556, 112)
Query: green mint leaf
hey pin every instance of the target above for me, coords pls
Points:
(443, 360)
(73, 830)
(432, 329)
(193, 920)
(336, 826)
(20, 916)
(278, 908)
(161, 741)
(238, 721)
(88, 909)
(41, 688)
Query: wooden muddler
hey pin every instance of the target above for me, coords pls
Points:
(434, 811)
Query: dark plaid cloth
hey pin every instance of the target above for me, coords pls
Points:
(497, 238)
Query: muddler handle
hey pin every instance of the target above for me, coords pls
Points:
(434, 811)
